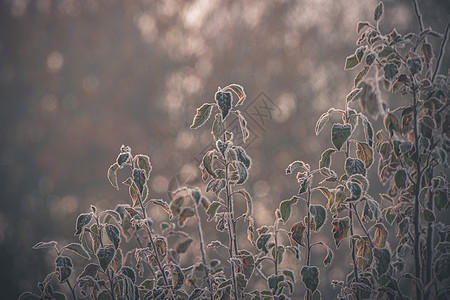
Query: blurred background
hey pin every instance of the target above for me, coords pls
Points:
(80, 78)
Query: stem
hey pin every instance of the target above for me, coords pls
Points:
(308, 232)
(230, 232)
(416, 197)
(71, 289)
(202, 249)
(275, 226)
(154, 249)
(419, 15)
(429, 242)
(441, 51)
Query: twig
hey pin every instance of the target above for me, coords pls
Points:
(441, 51)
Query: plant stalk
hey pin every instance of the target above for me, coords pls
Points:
(429, 242)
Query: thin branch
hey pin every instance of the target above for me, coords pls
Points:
(419, 15)
(441, 51)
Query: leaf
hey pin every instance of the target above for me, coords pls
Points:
(82, 221)
(223, 100)
(380, 236)
(351, 62)
(390, 70)
(117, 262)
(289, 274)
(428, 215)
(208, 161)
(129, 272)
(262, 241)
(185, 214)
(285, 208)
(339, 134)
(242, 156)
(442, 267)
(29, 296)
(42, 245)
(297, 231)
(310, 277)
(161, 246)
(140, 179)
(239, 91)
(203, 114)
(223, 147)
(123, 158)
(112, 175)
(353, 94)
(218, 128)
(368, 130)
(94, 233)
(163, 204)
(177, 277)
(360, 77)
(355, 191)
(378, 11)
(105, 255)
(364, 254)
(242, 172)
(113, 234)
(325, 159)
(440, 199)
(273, 281)
(365, 153)
(319, 213)
(143, 162)
(242, 125)
(212, 209)
(115, 215)
(296, 164)
(183, 246)
(78, 249)
(196, 293)
(340, 229)
(361, 25)
(64, 267)
(400, 179)
(248, 200)
(329, 256)
(323, 120)
(354, 166)
(383, 260)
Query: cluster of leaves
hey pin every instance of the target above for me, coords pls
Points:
(412, 151)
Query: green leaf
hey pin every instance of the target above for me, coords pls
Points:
(289, 274)
(383, 260)
(378, 11)
(242, 125)
(262, 241)
(64, 267)
(218, 128)
(123, 158)
(390, 70)
(129, 272)
(242, 172)
(385, 52)
(223, 100)
(400, 179)
(319, 213)
(223, 147)
(117, 262)
(297, 231)
(203, 114)
(354, 166)
(242, 156)
(380, 236)
(105, 255)
(82, 221)
(177, 277)
(355, 191)
(368, 130)
(113, 234)
(114, 214)
(239, 91)
(310, 277)
(112, 175)
(329, 256)
(414, 64)
(297, 164)
(440, 199)
(325, 159)
(442, 267)
(140, 179)
(365, 153)
(340, 229)
(285, 208)
(353, 94)
(351, 62)
(323, 120)
(143, 162)
(339, 134)
(370, 59)
(360, 77)
(42, 245)
(78, 249)
(212, 209)
(273, 282)
(208, 160)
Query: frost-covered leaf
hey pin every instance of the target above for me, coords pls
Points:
(113, 234)
(203, 114)
(390, 70)
(442, 267)
(310, 277)
(383, 260)
(285, 208)
(163, 204)
(325, 159)
(242, 156)
(208, 160)
(319, 213)
(339, 134)
(239, 91)
(223, 147)
(112, 175)
(361, 25)
(323, 120)
(353, 94)
(185, 214)
(340, 229)
(365, 153)
(380, 236)
(82, 221)
(262, 241)
(248, 200)
(368, 130)
(143, 162)
(64, 267)
(364, 254)
(297, 231)
(273, 281)
(242, 172)
(295, 165)
(105, 255)
(183, 246)
(42, 245)
(378, 11)
(223, 100)
(400, 179)
(361, 76)
(116, 263)
(78, 249)
(140, 179)
(242, 125)
(212, 209)
(351, 61)
(354, 166)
